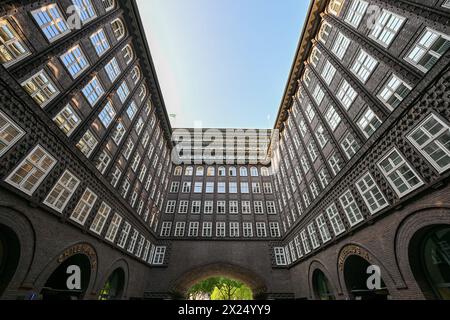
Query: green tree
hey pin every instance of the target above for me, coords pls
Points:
(220, 288)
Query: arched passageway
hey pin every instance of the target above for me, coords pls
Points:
(60, 284)
(114, 287)
(321, 286)
(246, 276)
(9, 256)
(429, 256)
(356, 276)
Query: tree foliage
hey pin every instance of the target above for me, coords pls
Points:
(220, 288)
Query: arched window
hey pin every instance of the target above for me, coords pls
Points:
(108, 4)
(211, 172)
(265, 171)
(199, 171)
(335, 6)
(243, 171)
(322, 287)
(222, 172)
(118, 29)
(178, 171)
(142, 92)
(189, 171)
(232, 172)
(254, 171)
(128, 53)
(136, 74)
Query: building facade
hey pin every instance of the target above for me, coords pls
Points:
(92, 174)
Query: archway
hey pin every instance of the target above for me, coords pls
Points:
(356, 276)
(114, 286)
(56, 287)
(9, 256)
(231, 271)
(321, 286)
(429, 256)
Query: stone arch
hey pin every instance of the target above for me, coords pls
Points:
(356, 249)
(409, 235)
(80, 248)
(318, 265)
(194, 275)
(121, 264)
(19, 225)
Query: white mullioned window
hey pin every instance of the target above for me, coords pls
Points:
(220, 229)
(67, 120)
(371, 193)
(310, 113)
(128, 54)
(196, 206)
(87, 143)
(118, 28)
(333, 118)
(399, 173)
(124, 233)
(41, 88)
(369, 122)
(113, 227)
(133, 240)
(432, 139)
(363, 66)
(118, 133)
(246, 207)
(356, 12)
(50, 19)
(123, 91)
(179, 229)
(318, 94)
(321, 136)
(166, 228)
(324, 178)
(298, 246)
(100, 218)
(387, 25)
(261, 231)
(12, 47)
(107, 114)
(100, 42)
(63, 190)
(324, 32)
(328, 72)
(112, 69)
(247, 228)
(75, 61)
(274, 229)
(234, 229)
(103, 161)
(305, 242)
(170, 206)
(335, 164)
(335, 6)
(85, 10)
(280, 256)
(335, 220)
(323, 229)
(350, 145)
(84, 207)
(10, 133)
(207, 229)
(30, 173)
(340, 46)
(208, 208)
(346, 94)
(393, 92)
(93, 91)
(351, 209)
(159, 255)
(193, 229)
(183, 206)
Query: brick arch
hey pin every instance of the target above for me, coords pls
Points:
(318, 265)
(347, 251)
(409, 233)
(233, 271)
(13, 219)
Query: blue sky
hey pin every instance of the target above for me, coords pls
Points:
(223, 62)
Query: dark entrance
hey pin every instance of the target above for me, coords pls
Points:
(322, 289)
(9, 256)
(113, 288)
(56, 286)
(356, 276)
(430, 261)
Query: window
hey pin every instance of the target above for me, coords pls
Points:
(280, 257)
(351, 209)
(109, 5)
(170, 206)
(100, 42)
(135, 74)
(29, 174)
(305, 242)
(274, 229)
(386, 27)
(10, 133)
(267, 187)
(393, 92)
(258, 207)
(323, 229)
(107, 115)
(143, 92)
(232, 172)
(363, 66)
(124, 235)
(208, 209)
(51, 22)
(196, 207)
(328, 72)
(67, 120)
(179, 229)
(246, 208)
(221, 207)
(75, 61)
(324, 32)
(335, 220)
(113, 228)
(189, 171)
(234, 229)
(103, 161)
(220, 229)
(221, 187)
(166, 228)
(232, 187)
(186, 187)
(346, 94)
(247, 229)
(324, 177)
(369, 122)
(118, 134)
(371, 194)
(132, 110)
(340, 46)
(160, 253)
(116, 176)
(209, 187)
(305, 164)
(350, 145)
(333, 118)
(314, 189)
(318, 95)
(315, 56)
(128, 54)
(193, 229)
(399, 173)
(123, 92)
(312, 151)
(243, 171)
(178, 171)
(335, 164)
(140, 246)
(222, 172)
(12, 48)
(87, 143)
(335, 6)
(174, 187)
(211, 172)
(313, 236)
(321, 137)
(136, 162)
(133, 240)
(41, 88)
(256, 187)
(254, 172)
(432, 139)
(428, 50)
(356, 12)
(118, 29)
(310, 113)
(63, 190)
(100, 218)
(112, 69)
(261, 231)
(207, 229)
(85, 10)
(93, 91)
(183, 207)
(199, 171)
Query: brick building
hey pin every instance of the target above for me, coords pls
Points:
(91, 176)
